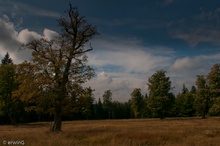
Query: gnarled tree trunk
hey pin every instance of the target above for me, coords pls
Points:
(57, 120)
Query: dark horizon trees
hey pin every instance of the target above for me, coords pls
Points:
(201, 100)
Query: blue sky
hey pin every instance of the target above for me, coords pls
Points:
(136, 38)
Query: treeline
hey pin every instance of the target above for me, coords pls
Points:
(201, 100)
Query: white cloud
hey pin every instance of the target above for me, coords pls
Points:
(26, 36)
(11, 40)
(120, 83)
(50, 34)
(8, 36)
(184, 70)
(194, 64)
(103, 77)
(128, 55)
(186, 63)
(125, 64)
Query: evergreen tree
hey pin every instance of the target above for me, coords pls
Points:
(160, 98)
(184, 105)
(99, 110)
(7, 60)
(184, 90)
(193, 90)
(137, 103)
(107, 103)
(11, 106)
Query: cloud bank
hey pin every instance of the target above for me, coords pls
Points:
(11, 40)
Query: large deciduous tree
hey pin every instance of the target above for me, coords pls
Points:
(213, 80)
(160, 99)
(53, 78)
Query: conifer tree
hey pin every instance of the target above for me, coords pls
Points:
(160, 99)
(9, 105)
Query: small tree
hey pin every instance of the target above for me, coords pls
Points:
(184, 104)
(85, 103)
(137, 103)
(98, 110)
(54, 76)
(160, 99)
(107, 102)
(202, 99)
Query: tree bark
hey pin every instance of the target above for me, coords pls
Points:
(203, 110)
(57, 122)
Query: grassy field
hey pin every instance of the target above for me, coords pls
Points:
(134, 132)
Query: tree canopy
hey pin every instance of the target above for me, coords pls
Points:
(160, 97)
(58, 67)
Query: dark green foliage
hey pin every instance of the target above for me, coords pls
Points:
(137, 103)
(184, 104)
(11, 107)
(107, 103)
(202, 98)
(98, 110)
(160, 99)
(184, 90)
(120, 110)
(213, 81)
(85, 104)
(215, 108)
(193, 90)
(7, 60)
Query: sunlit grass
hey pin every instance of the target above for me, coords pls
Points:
(168, 132)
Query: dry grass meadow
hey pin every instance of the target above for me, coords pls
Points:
(133, 132)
